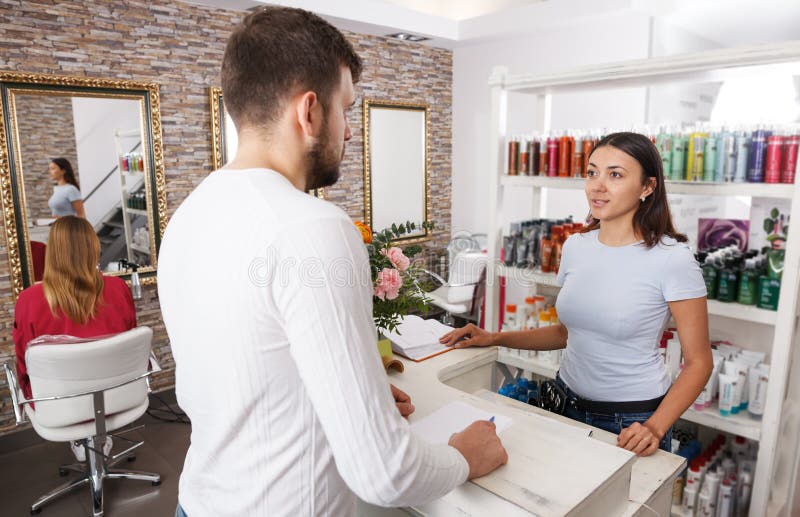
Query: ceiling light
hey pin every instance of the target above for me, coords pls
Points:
(407, 37)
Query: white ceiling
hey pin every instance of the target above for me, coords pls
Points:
(460, 9)
(452, 23)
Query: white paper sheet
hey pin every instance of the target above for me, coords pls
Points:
(437, 427)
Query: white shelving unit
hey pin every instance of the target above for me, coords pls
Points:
(642, 73)
(127, 183)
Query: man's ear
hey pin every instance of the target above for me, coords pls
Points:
(309, 114)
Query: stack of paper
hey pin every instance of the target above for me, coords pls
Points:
(418, 339)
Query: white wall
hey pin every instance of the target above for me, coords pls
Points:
(96, 120)
(609, 38)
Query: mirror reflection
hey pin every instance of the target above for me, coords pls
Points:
(83, 156)
(396, 180)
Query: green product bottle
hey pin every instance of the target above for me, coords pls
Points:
(711, 278)
(678, 161)
(769, 289)
(775, 260)
(748, 285)
(710, 159)
(664, 145)
(728, 281)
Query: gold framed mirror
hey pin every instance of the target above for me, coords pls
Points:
(109, 133)
(397, 181)
(224, 140)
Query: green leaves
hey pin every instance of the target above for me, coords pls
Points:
(411, 298)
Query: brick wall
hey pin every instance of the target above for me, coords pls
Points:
(180, 46)
(40, 141)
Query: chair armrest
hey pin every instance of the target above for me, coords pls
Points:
(154, 366)
(13, 388)
(444, 283)
(85, 393)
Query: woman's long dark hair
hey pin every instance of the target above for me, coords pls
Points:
(69, 174)
(652, 219)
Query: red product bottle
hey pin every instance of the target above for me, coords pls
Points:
(552, 156)
(513, 151)
(790, 158)
(565, 156)
(772, 172)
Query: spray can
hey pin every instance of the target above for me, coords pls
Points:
(790, 158)
(543, 156)
(742, 156)
(695, 155)
(758, 154)
(729, 155)
(534, 153)
(588, 146)
(552, 156)
(513, 154)
(524, 158)
(678, 161)
(772, 170)
(577, 159)
(719, 164)
(664, 146)
(565, 153)
(709, 158)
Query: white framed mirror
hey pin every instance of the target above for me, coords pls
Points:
(396, 166)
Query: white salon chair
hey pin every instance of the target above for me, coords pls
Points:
(462, 294)
(82, 389)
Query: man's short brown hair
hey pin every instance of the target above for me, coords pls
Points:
(279, 51)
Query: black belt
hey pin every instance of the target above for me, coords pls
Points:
(606, 408)
(634, 406)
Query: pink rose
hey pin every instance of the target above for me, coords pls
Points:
(396, 257)
(388, 283)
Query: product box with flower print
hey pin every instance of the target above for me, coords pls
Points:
(718, 233)
(769, 223)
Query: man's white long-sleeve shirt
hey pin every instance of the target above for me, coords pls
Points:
(266, 296)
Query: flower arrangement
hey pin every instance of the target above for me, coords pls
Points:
(396, 279)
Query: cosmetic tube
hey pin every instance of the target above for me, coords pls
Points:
(727, 392)
(713, 380)
(738, 370)
(759, 379)
(725, 501)
(704, 506)
(746, 361)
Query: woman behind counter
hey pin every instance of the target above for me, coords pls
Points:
(621, 278)
(66, 198)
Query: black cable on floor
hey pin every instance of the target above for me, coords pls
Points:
(170, 414)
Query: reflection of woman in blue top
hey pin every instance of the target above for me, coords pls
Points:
(66, 198)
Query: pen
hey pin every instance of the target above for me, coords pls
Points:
(491, 420)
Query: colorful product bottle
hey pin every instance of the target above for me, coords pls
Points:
(758, 155)
(709, 158)
(524, 158)
(729, 154)
(772, 170)
(513, 153)
(565, 152)
(719, 163)
(694, 161)
(552, 156)
(543, 157)
(534, 153)
(790, 158)
(742, 156)
(664, 146)
(578, 159)
(678, 161)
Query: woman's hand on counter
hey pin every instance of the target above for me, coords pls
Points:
(402, 401)
(639, 439)
(481, 447)
(467, 336)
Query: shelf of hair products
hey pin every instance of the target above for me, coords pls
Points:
(698, 154)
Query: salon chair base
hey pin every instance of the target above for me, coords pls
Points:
(94, 471)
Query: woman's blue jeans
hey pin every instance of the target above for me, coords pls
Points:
(611, 422)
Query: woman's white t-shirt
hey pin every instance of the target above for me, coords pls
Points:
(613, 302)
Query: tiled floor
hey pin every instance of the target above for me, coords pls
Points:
(32, 470)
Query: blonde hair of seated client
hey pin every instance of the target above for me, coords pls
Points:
(71, 282)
